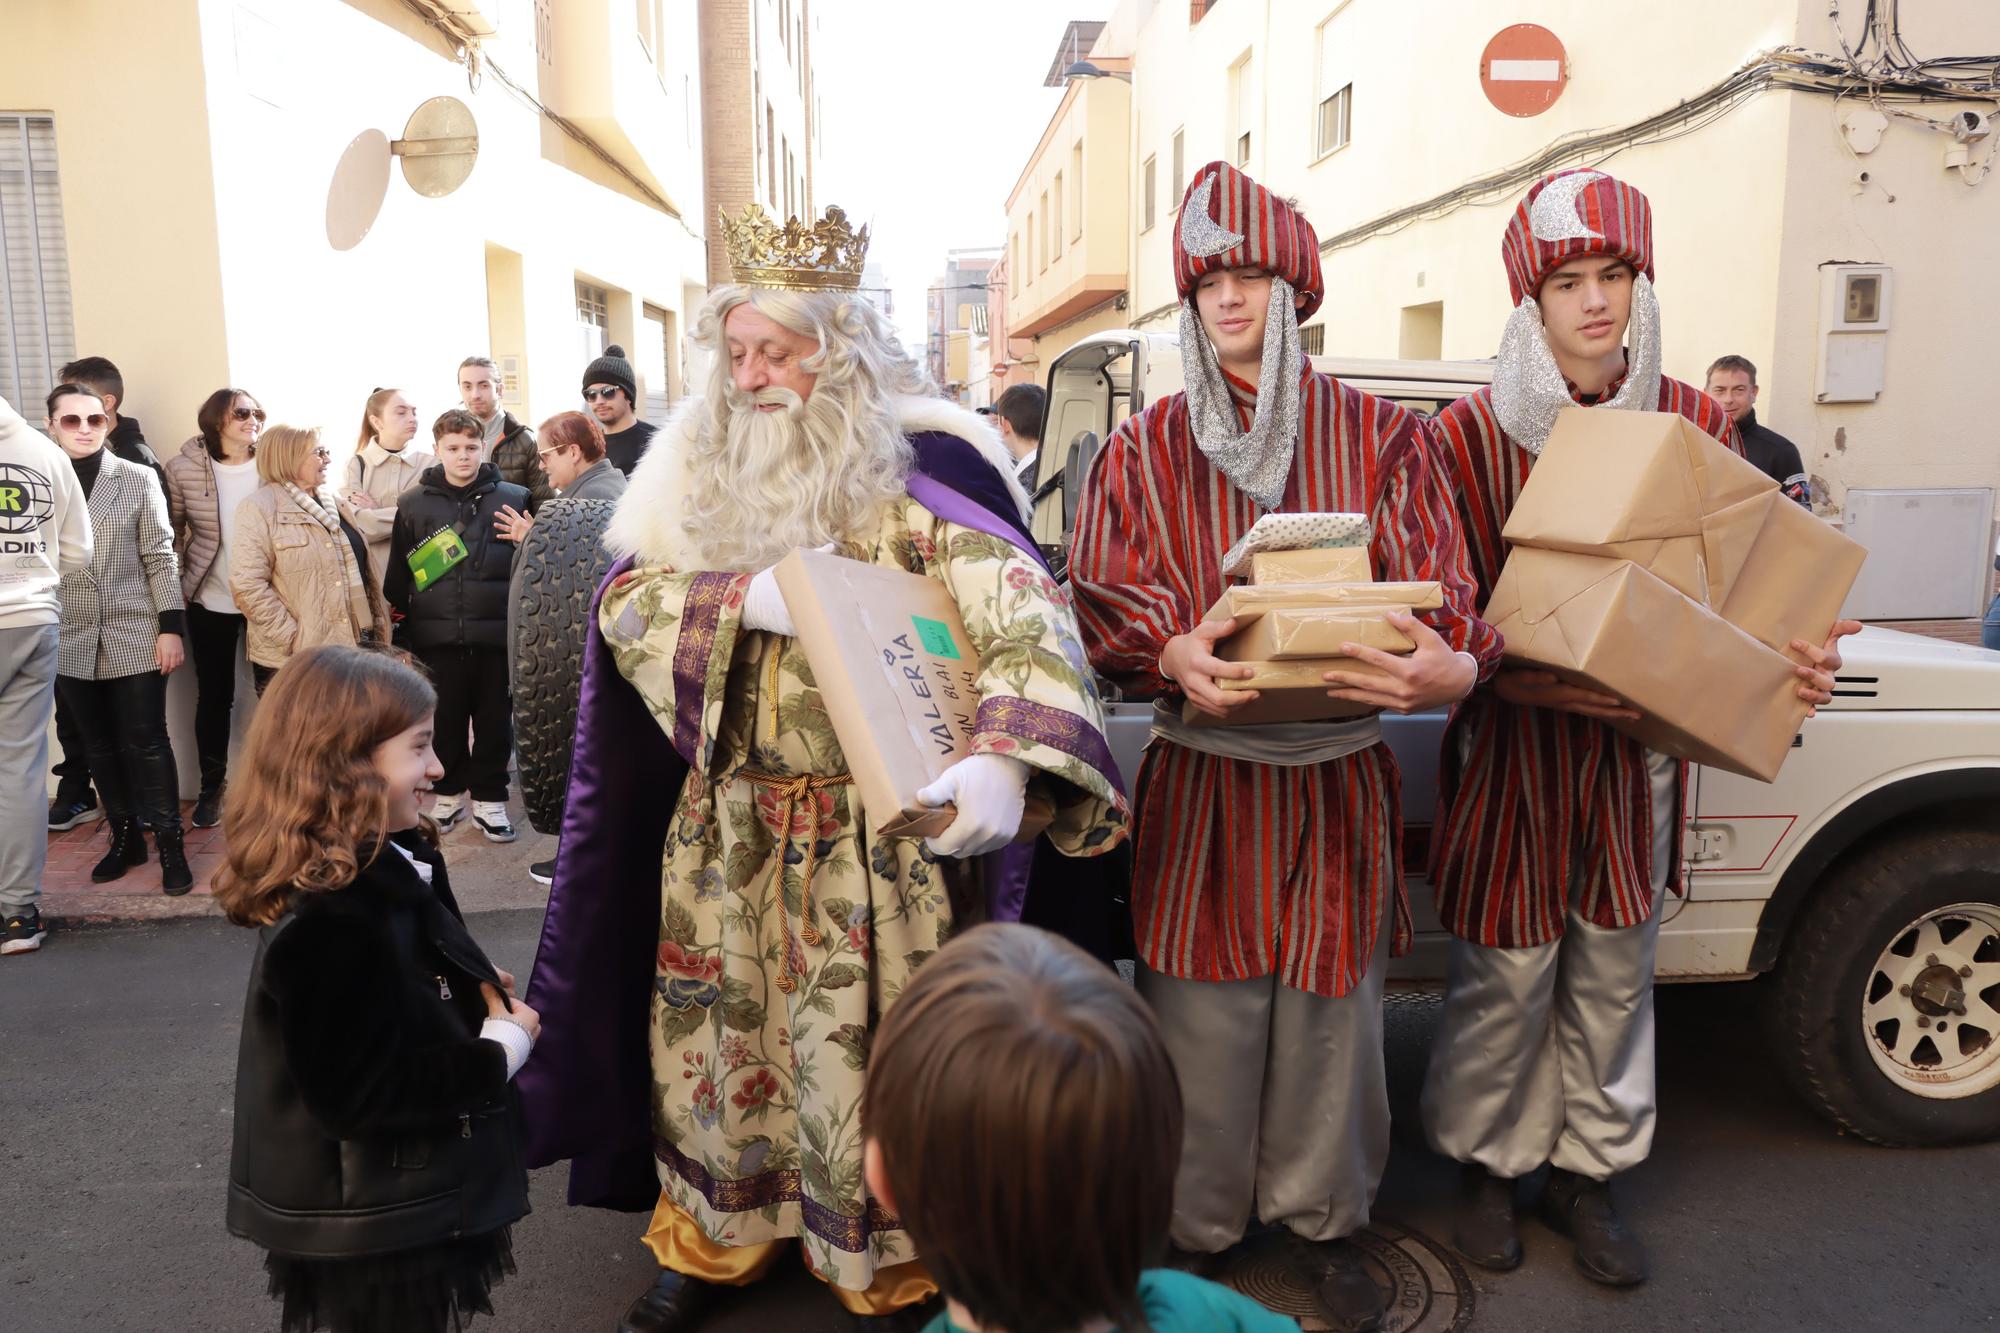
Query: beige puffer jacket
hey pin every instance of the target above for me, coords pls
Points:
(191, 510)
(288, 578)
(384, 476)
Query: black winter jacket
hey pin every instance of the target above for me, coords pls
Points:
(370, 1117)
(520, 463)
(467, 608)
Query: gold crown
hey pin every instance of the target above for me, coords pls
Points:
(825, 256)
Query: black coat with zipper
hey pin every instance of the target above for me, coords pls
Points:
(370, 1116)
(467, 608)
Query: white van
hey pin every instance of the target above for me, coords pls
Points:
(1866, 879)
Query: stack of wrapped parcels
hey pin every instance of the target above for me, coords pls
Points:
(1652, 563)
(1310, 591)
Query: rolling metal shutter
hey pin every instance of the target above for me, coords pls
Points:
(37, 325)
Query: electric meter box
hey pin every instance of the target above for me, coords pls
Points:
(1853, 332)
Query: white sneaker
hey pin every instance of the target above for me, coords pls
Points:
(491, 816)
(448, 811)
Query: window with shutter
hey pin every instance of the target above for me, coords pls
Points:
(37, 324)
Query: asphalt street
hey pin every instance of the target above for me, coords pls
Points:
(120, 1047)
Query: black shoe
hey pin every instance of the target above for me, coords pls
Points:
(1347, 1295)
(1484, 1231)
(24, 933)
(543, 872)
(128, 849)
(1581, 1208)
(208, 810)
(673, 1304)
(67, 813)
(175, 876)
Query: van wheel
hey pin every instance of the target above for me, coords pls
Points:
(561, 562)
(1886, 1011)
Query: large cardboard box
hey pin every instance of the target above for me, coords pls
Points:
(1289, 633)
(1327, 564)
(1708, 691)
(899, 679)
(1653, 488)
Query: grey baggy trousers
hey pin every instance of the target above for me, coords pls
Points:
(1545, 1054)
(1286, 1100)
(27, 697)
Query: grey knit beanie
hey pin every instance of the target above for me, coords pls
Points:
(613, 368)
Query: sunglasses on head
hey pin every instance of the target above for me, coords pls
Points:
(71, 421)
(592, 395)
(245, 413)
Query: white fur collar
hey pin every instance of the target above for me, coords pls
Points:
(647, 522)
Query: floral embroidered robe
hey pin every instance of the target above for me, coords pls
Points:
(756, 1090)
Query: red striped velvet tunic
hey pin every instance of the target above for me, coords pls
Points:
(1245, 869)
(1533, 800)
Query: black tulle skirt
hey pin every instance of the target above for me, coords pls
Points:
(427, 1290)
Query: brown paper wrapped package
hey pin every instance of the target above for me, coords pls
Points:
(1289, 692)
(1710, 693)
(1247, 599)
(899, 679)
(1652, 488)
(1289, 633)
(1327, 564)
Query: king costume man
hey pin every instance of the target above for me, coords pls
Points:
(1556, 833)
(1267, 888)
(727, 926)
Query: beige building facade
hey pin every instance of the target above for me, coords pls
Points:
(179, 191)
(1772, 196)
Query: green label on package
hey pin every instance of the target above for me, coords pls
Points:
(935, 636)
(434, 557)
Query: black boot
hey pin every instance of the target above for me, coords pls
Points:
(128, 849)
(1347, 1294)
(673, 1304)
(208, 809)
(1581, 1208)
(175, 877)
(1484, 1231)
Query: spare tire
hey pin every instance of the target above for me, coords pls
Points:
(556, 573)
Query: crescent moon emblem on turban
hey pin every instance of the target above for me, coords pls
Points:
(1201, 235)
(1554, 215)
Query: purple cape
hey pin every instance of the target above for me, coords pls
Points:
(587, 1093)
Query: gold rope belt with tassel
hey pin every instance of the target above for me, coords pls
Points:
(792, 791)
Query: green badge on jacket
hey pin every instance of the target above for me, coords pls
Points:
(434, 557)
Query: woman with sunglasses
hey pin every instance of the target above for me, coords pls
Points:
(214, 472)
(121, 638)
(300, 572)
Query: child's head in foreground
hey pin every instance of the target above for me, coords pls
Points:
(1024, 1121)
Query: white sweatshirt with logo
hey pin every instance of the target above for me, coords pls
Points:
(44, 523)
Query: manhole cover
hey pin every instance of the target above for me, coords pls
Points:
(1424, 1286)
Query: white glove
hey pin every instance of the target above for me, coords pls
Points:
(764, 607)
(990, 791)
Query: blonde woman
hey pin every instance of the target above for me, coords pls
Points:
(387, 461)
(301, 576)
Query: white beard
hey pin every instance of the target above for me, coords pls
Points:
(766, 523)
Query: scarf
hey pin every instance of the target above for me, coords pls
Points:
(1529, 390)
(1260, 459)
(360, 607)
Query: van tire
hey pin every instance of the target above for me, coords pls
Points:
(1828, 970)
(561, 562)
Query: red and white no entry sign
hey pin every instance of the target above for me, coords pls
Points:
(1524, 69)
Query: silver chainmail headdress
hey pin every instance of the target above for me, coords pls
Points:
(1258, 460)
(1528, 387)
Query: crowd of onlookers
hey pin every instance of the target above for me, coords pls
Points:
(241, 540)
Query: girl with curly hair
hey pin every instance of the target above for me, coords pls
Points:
(377, 1154)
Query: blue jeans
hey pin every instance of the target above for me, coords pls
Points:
(1989, 632)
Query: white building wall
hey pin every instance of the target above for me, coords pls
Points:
(1746, 208)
